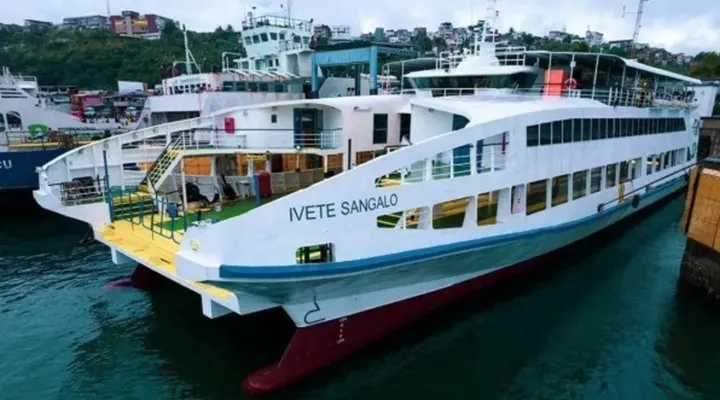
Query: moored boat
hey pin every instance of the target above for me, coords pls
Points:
(358, 215)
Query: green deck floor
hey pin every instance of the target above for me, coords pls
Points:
(229, 210)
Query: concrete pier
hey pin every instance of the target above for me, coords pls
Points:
(701, 222)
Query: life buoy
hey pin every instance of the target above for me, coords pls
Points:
(636, 201)
(571, 84)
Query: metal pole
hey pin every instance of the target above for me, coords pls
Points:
(597, 63)
(182, 182)
(107, 187)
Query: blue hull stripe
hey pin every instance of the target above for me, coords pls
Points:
(371, 263)
(17, 168)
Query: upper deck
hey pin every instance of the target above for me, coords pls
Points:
(608, 78)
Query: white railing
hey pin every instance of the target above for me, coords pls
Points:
(610, 96)
(143, 145)
(481, 160)
(263, 139)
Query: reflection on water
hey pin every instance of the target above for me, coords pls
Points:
(611, 323)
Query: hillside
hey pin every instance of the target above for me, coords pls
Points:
(98, 59)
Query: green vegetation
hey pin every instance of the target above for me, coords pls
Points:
(95, 59)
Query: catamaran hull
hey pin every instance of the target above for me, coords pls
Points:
(319, 345)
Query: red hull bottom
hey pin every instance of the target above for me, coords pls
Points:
(314, 347)
(318, 346)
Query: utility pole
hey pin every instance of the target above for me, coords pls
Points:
(638, 24)
(107, 5)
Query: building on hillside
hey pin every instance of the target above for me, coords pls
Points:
(379, 35)
(87, 22)
(558, 35)
(420, 31)
(133, 24)
(33, 23)
(594, 38)
(619, 43)
(341, 32)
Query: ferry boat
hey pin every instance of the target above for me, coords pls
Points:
(276, 67)
(358, 215)
(33, 133)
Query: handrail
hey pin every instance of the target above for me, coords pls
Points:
(601, 206)
(640, 98)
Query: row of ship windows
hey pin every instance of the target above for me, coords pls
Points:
(579, 129)
(452, 213)
(618, 173)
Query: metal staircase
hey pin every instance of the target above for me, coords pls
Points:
(168, 159)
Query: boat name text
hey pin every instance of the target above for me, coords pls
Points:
(5, 164)
(347, 207)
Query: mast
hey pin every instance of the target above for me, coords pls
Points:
(638, 24)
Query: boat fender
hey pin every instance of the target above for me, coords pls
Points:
(636, 201)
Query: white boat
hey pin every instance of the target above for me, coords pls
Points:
(358, 215)
(276, 67)
(32, 133)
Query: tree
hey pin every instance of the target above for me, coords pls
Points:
(96, 59)
(706, 65)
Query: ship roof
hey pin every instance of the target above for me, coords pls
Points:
(494, 109)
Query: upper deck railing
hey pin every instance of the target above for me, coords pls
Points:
(277, 21)
(611, 96)
(510, 55)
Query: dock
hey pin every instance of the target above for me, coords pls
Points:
(701, 223)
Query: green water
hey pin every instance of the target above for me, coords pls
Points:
(612, 324)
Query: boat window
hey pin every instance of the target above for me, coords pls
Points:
(612, 127)
(557, 132)
(666, 164)
(273, 35)
(248, 40)
(559, 190)
(533, 135)
(649, 164)
(623, 127)
(264, 37)
(610, 175)
(487, 208)
(602, 123)
(416, 218)
(595, 129)
(297, 39)
(577, 130)
(567, 131)
(580, 184)
(520, 80)
(595, 179)
(14, 121)
(282, 35)
(318, 253)
(380, 128)
(624, 175)
(2, 123)
(306, 39)
(587, 129)
(450, 214)
(256, 39)
(536, 197)
(545, 133)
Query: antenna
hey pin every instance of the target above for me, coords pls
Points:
(107, 5)
(189, 59)
(638, 24)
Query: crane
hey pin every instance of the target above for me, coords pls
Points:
(638, 24)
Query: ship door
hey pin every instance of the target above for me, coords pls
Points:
(308, 127)
(517, 198)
